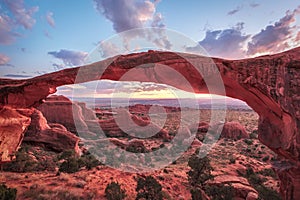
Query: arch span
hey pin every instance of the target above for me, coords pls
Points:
(269, 84)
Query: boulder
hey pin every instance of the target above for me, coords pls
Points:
(234, 130)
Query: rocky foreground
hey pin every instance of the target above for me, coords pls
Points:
(269, 84)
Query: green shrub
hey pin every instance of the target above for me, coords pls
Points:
(70, 153)
(267, 193)
(266, 158)
(220, 192)
(113, 191)
(232, 160)
(7, 193)
(200, 170)
(89, 161)
(257, 183)
(268, 172)
(148, 188)
(252, 177)
(137, 149)
(248, 141)
(72, 163)
(22, 163)
(196, 194)
(253, 135)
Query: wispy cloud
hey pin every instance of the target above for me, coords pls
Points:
(69, 57)
(4, 59)
(108, 49)
(58, 66)
(234, 11)
(47, 34)
(7, 35)
(109, 87)
(18, 16)
(50, 19)
(22, 16)
(17, 76)
(254, 5)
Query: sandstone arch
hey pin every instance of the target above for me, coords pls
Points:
(269, 84)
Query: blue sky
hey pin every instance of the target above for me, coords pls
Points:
(41, 36)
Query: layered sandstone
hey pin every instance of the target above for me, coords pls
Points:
(52, 136)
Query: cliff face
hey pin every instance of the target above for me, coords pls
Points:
(269, 84)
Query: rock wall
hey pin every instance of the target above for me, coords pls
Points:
(269, 84)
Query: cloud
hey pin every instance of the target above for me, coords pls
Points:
(69, 57)
(18, 15)
(114, 87)
(7, 36)
(22, 15)
(58, 66)
(231, 43)
(254, 5)
(158, 21)
(108, 49)
(126, 14)
(4, 59)
(50, 20)
(297, 38)
(134, 14)
(276, 37)
(17, 76)
(234, 11)
(227, 43)
(47, 34)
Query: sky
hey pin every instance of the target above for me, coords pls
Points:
(42, 36)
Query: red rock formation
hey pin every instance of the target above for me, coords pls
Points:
(126, 123)
(242, 188)
(55, 137)
(13, 123)
(59, 109)
(234, 130)
(269, 84)
(230, 130)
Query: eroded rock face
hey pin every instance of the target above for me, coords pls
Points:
(230, 130)
(53, 136)
(59, 109)
(268, 84)
(13, 124)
